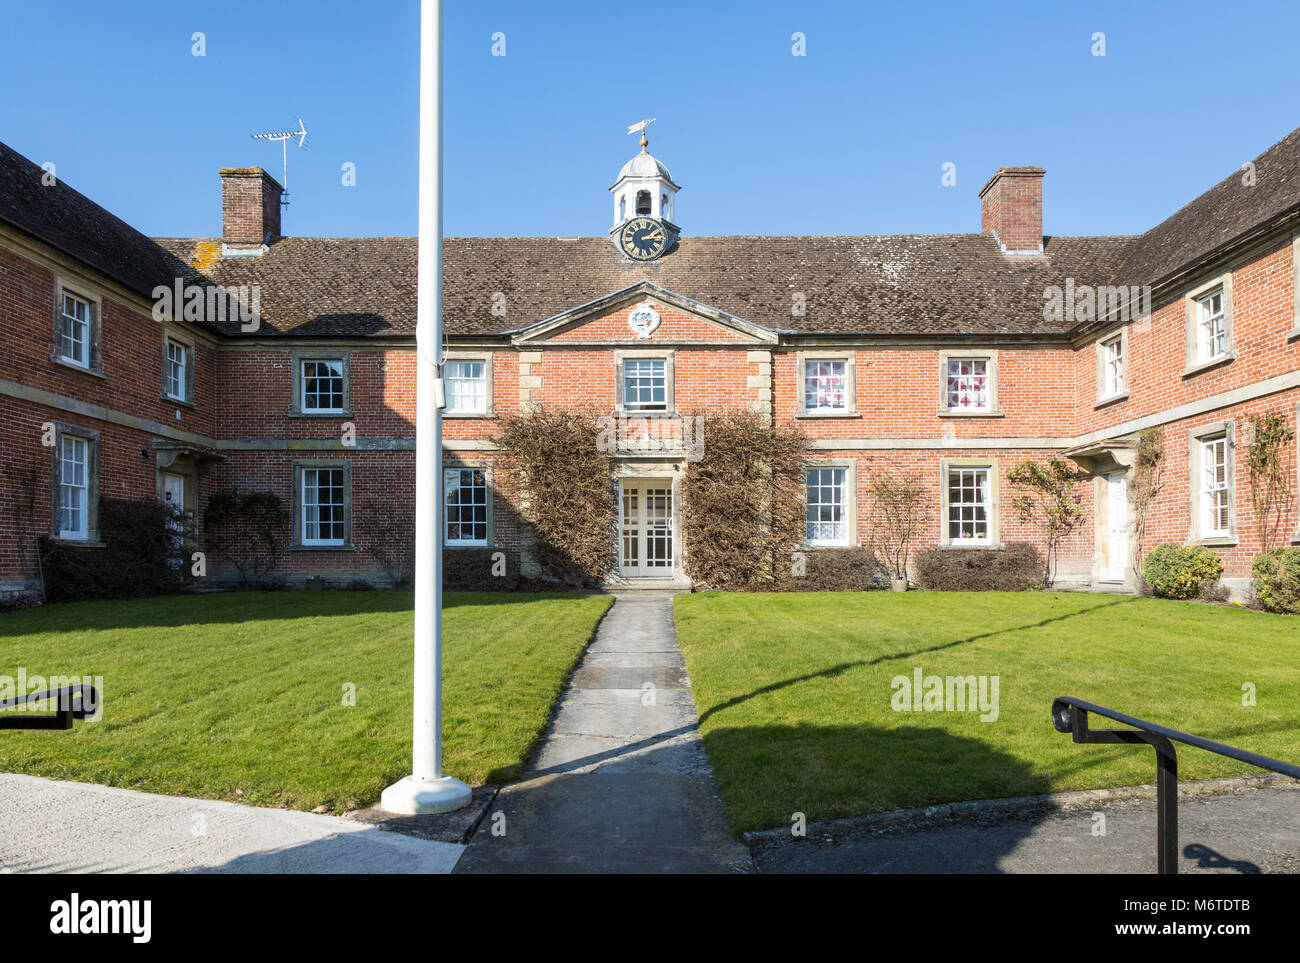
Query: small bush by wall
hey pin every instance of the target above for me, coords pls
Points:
(477, 570)
(13, 601)
(1181, 571)
(841, 570)
(826, 570)
(1277, 580)
(1014, 567)
(139, 556)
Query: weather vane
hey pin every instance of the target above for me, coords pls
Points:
(641, 125)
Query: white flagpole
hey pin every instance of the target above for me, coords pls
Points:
(427, 789)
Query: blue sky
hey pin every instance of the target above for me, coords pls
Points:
(848, 139)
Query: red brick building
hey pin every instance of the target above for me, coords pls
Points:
(954, 355)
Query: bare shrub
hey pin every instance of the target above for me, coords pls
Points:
(389, 539)
(551, 461)
(1145, 488)
(898, 503)
(248, 529)
(1015, 567)
(743, 510)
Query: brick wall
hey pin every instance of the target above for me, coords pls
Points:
(243, 401)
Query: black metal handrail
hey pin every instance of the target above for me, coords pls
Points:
(1071, 715)
(71, 702)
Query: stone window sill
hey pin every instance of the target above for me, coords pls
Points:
(829, 414)
(1198, 367)
(1221, 541)
(320, 414)
(469, 415)
(626, 413)
(992, 413)
(72, 366)
(78, 542)
(1111, 399)
(178, 401)
(321, 548)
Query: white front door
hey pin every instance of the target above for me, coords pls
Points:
(646, 528)
(174, 498)
(1116, 528)
(174, 490)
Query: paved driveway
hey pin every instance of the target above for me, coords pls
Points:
(66, 827)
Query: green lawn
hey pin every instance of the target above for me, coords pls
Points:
(241, 696)
(794, 693)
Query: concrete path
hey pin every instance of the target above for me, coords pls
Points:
(621, 783)
(66, 827)
(1257, 831)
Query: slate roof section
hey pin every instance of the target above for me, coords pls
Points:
(72, 223)
(1219, 217)
(935, 285)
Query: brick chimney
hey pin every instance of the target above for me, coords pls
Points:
(250, 210)
(1012, 209)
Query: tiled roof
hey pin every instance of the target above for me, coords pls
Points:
(956, 284)
(72, 223)
(1231, 208)
(319, 286)
(927, 285)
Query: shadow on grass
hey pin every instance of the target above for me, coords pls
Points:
(215, 608)
(842, 667)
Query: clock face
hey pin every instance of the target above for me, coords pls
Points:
(643, 238)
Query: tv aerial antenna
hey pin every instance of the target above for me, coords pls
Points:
(284, 136)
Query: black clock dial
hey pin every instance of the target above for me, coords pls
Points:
(643, 238)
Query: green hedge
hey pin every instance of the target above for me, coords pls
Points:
(1181, 571)
(137, 556)
(471, 570)
(1277, 580)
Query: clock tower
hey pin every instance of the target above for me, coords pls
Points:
(643, 208)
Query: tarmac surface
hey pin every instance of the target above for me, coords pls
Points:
(48, 826)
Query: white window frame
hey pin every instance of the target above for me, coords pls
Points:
(170, 372)
(980, 478)
(1112, 367)
(1206, 326)
(841, 483)
(453, 478)
(1211, 327)
(809, 368)
(1208, 497)
(87, 324)
(657, 372)
(989, 359)
(80, 491)
(342, 375)
(979, 370)
(304, 503)
(988, 467)
(483, 381)
(1215, 488)
(620, 365)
